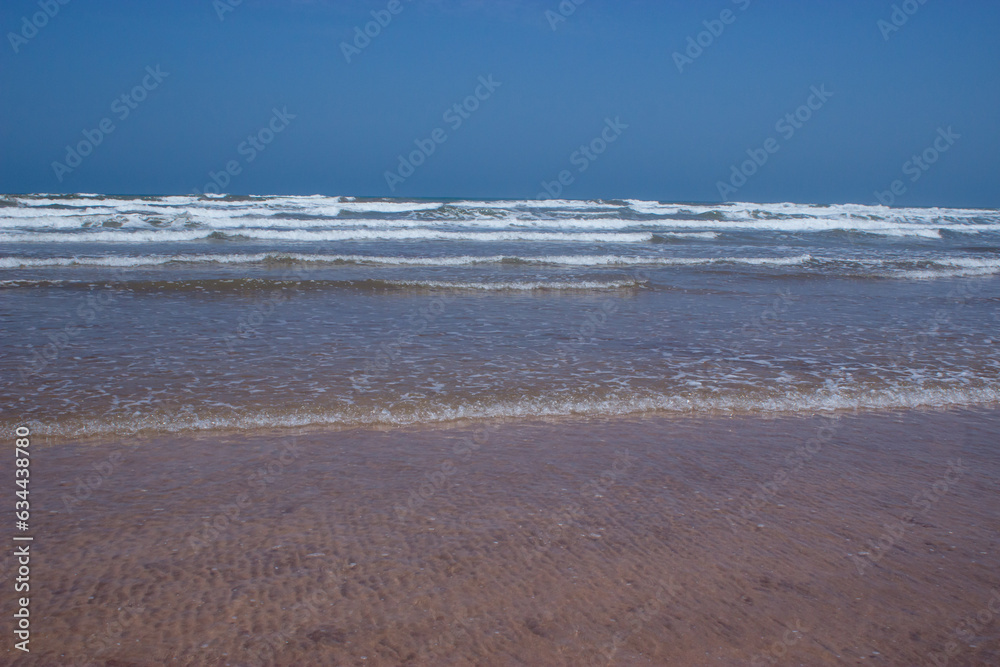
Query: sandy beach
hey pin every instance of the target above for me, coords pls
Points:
(861, 539)
(500, 334)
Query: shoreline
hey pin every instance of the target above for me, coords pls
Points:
(569, 419)
(723, 540)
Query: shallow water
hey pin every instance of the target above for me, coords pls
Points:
(162, 314)
(652, 541)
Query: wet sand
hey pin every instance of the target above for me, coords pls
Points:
(868, 539)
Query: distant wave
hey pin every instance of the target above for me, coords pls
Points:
(749, 210)
(77, 218)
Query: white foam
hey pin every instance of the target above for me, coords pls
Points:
(168, 236)
(825, 400)
(945, 267)
(315, 214)
(390, 207)
(707, 236)
(103, 236)
(463, 260)
(942, 273)
(940, 267)
(524, 286)
(263, 220)
(969, 262)
(846, 217)
(950, 267)
(581, 204)
(656, 208)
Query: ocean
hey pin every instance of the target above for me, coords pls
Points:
(333, 430)
(152, 315)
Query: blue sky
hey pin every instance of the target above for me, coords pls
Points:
(226, 69)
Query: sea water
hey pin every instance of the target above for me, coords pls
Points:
(121, 315)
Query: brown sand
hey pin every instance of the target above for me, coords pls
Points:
(573, 543)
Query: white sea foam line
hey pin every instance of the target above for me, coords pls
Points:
(582, 204)
(102, 236)
(220, 214)
(519, 286)
(390, 207)
(304, 235)
(23, 215)
(818, 225)
(502, 286)
(31, 213)
(261, 223)
(30, 201)
(153, 260)
(951, 267)
(811, 209)
(690, 235)
(136, 229)
(922, 232)
(250, 221)
(821, 400)
(934, 275)
(179, 204)
(745, 210)
(566, 260)
(960, 263)
(305, 201)
(968, 262)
